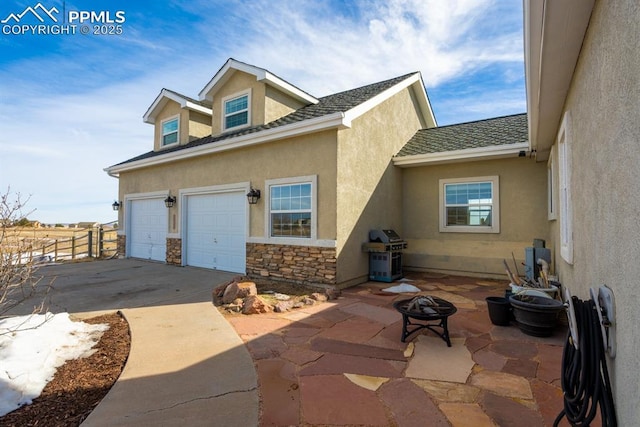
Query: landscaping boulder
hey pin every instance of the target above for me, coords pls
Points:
(238, 290)
(253, 304)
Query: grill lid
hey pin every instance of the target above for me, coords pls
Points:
(384, 236)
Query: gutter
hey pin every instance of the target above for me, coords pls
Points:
(466, 155)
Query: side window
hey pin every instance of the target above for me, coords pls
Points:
(170, 131)
(564, 172)
(470, 205)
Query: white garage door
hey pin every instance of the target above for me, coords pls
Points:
(148, 229)
(216, 231)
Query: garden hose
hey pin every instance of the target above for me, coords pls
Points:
(584, 377)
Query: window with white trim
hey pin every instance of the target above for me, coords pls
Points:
(470, 205)
(236, 111)
(564, 174)
(551, 182)
(170, 131)
(292, 210)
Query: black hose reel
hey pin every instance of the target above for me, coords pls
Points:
(584, 377)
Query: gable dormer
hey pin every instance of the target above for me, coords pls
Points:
(242, 95)
(177, 119)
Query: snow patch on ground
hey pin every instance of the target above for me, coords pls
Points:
(29, 357)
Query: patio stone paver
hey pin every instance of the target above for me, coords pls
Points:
(449, 392)
(507, 412)
(410, 406)
(280, 396)
(366, 381)
(342, 362)
(377, 314)
(333, 364)
(514, 349)
(523, 368)
(334, 400)
(489, 360)
(433, 360)
(466, 414)
(503, 384)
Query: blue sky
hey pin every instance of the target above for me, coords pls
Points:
(72, 104)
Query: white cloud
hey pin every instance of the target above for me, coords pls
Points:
(66, 116)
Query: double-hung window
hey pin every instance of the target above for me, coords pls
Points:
(566, 208)
(236, 111)
(470, 205)
(170, 131)
(292, 208)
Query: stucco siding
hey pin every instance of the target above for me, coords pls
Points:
(199, 125)
(369, 193)
(313, 154)
(238, 83)
(603, 102)
(523, 217)
(171, 109)
(278, 104)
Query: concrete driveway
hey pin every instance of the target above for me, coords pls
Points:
(87, 287)
(187, 365)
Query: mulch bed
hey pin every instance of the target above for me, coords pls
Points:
(79, 385)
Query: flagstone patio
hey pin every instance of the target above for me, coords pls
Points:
(342, 362)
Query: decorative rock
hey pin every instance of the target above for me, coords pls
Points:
(253, 304)
(308, 301)
(319, 297)
(332, 293)
(282, 306)
(239, 290)
(298, 304)
(281, 297)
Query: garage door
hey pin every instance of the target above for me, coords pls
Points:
(148, 229)
(216, 231)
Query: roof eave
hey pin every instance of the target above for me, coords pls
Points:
(458, 156)
(549, 66)
(336, 120)
(161, 100)
(261, 75)
(414, 81)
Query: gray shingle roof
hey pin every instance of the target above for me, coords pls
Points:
(339, 102)
(483, 133)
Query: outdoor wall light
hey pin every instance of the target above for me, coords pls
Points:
(169, 201)
(116, 205)
(253, 196)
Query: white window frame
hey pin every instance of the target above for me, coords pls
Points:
(564, 193)
(162, 134)
(311, 179)
(551, 190)
(226, 99)
(495, 206)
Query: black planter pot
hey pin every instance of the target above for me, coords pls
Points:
(499, 310)
(536, 316)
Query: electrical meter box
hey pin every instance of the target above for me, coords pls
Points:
(531, 257)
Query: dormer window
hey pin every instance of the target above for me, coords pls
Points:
(170, 130)
(236, 111)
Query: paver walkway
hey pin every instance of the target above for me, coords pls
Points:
(342, 363)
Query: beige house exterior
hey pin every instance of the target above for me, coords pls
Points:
(583, 87)
(367, 158)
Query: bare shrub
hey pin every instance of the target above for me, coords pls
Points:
(18, 280)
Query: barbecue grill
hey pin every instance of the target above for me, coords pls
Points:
(385, 255)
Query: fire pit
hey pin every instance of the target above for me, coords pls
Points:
(427, 310)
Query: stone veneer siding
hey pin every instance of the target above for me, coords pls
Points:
(121, 245)
(298, 264)
(174, 251)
